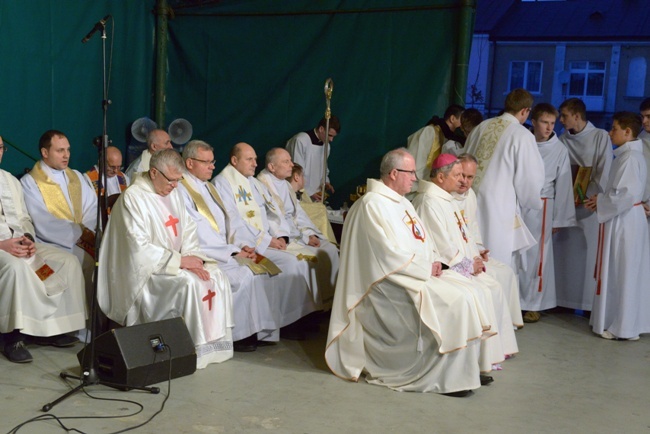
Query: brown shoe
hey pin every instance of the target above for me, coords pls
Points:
(531, 316)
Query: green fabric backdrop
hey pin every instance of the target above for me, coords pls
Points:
(240, 71)
(50, 80)
(238, 76)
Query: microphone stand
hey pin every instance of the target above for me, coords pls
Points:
(89, 375)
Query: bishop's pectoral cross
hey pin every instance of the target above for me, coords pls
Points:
(242, 194)
(172, 222)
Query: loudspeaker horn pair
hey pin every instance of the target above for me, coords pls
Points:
(180, 131)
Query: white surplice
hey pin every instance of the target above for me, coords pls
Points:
(391, 319)
(537, 276)
(510, 175)
(300, 228)
(261, 304)
(310, 157)
(644, 136)
(263, 211)
(501, 271)
(574, 248)
(455, 243)
(33, 306)
(622, 300)
(140, 279)
(139, 165)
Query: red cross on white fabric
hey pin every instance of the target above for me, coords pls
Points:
(209, 297)
(172, 222)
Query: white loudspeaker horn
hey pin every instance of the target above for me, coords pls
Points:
(180, 131)
(141, 128)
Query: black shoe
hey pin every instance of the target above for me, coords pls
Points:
(459, 394)
(485, 379)
(246, 345)
(17, 353)
(59, 341)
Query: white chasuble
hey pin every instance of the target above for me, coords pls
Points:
(391, 318)
(140, 279)
(42, 295)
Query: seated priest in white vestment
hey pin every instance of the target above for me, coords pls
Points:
(41, 287)
(503, 273)
(455, 244)
(116, 181)
(622, 300)
(151, 266)
(536, 266)
(304, 235)
(307, 149)
(510, 175)
(157, 140)
(394, 318)
(245, 195)
(316, 211)
(62, 205)
(575, 248)
(263, 301)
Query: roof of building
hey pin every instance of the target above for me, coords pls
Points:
(574, 20)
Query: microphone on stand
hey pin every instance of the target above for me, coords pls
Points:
(98, 26)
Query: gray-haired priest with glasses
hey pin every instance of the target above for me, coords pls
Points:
(151, 266)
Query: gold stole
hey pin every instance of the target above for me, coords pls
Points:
(53, 196)
(201, 206)
(248, 208)
(436, 146)
(486, 145)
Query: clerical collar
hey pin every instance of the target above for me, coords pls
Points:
(314, 138)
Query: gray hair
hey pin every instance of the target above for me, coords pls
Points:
(270, 156)
(167, 159)
(391, 160)
(445, 170)
(465, 157)
(191, 149)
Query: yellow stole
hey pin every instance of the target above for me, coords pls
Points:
(53, 196)
(486, 146)
(242, 190)
(436, 146)
(201, 206)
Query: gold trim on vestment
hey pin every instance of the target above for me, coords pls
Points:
(53, 196)
(436, 147)
(201, 206)
(486, 146)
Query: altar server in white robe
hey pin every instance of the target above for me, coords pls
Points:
(437, 135)
(393, 318)
(303, 233)
(503, 273)
(262, 304)
(510, 175)
(151, 266)
(243, 194)
(436, 206)
(535, 267)
(622, 300)
(575, 248)
(62, 204)
(307, 149)
(156, 140)
(644, 136)
(41, 287)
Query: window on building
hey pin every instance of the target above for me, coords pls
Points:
(527, 75)
(587, 82)
(636, 75)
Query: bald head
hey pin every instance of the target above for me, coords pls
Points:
(243, 158)
(113, 161)
(278, 162)
(158, 140)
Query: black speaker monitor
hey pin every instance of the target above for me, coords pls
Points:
(138, 355)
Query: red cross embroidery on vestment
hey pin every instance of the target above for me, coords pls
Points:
(209, 297)
(172, 222)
